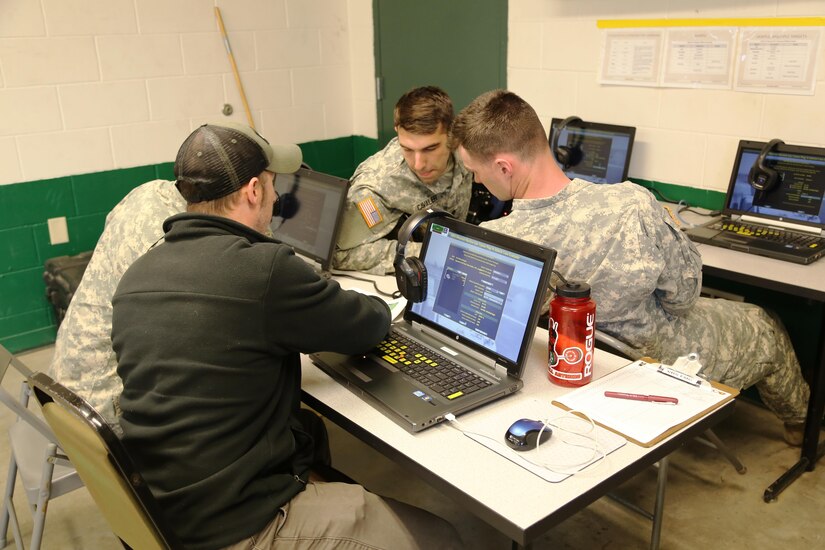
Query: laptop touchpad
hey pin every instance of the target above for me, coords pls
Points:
(368, 369)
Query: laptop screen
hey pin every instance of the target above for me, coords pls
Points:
(310, 219)
(484, 289)
(798, 196)
(603, 150)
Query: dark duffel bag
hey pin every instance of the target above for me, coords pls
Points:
(62, 276)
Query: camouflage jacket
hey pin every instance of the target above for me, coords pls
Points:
(646, 276)
(383, 189)
(83, 357)
(643, 271)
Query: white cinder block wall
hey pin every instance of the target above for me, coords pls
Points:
(684, 136)
(92, 85)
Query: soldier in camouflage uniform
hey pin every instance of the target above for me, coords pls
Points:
(645, 274)
(83, 359)
(415, 170)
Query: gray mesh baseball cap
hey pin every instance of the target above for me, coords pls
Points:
(218, 159)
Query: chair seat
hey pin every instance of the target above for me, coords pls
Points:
(29, 447)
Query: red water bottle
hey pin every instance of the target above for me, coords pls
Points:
(572, 329)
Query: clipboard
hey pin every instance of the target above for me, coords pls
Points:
(641, 422)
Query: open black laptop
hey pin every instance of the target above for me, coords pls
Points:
(599, 153)
(785, 222)
(468, 342)
(312, 205)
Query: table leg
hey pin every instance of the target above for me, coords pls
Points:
(811, 449)
(658, 507)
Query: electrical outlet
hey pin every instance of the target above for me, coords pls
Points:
(58, 231)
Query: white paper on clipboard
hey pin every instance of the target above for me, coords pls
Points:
(645, 422)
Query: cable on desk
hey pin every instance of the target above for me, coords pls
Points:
(585, 434)
(662, 196)
(395, 294)
(687, 208)
(709, 213)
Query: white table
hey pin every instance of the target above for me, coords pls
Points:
(508, 497)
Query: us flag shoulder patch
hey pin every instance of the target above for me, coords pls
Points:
(370, 212)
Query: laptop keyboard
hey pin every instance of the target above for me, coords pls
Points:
(431, 369)
(787, 238)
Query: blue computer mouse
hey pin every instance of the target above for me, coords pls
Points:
(522, 435)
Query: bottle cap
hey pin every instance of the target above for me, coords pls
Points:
(572, 289)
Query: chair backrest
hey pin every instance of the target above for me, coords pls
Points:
(104, 466)
(616, 346)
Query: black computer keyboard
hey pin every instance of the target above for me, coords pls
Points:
(787, 238)
(431, 369)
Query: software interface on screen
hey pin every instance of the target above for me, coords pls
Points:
(798, 195)
(603, 149)
(478, 290)
(311, 217)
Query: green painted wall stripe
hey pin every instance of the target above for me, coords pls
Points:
(34, 202)
(26, 317)
(712, 200)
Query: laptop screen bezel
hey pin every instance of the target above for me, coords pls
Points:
(546, 256)
(585, 126)
(341, 185)
(756, 147)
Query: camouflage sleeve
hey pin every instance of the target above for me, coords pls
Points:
(84, 360)
(366, 221)
(463, 189)
(680, 280)
(376, 257)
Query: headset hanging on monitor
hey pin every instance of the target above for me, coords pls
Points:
(570, 154)
(762, 177)
(410, 273)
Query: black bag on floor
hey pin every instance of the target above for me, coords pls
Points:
(62, 276)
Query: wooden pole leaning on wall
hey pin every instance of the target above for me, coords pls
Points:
(234, 66)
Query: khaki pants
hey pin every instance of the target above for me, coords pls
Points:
(345, 516)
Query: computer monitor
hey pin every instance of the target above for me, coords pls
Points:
(796, 197)
(601, 151)
(312, 205)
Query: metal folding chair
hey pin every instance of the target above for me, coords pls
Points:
(35, 456)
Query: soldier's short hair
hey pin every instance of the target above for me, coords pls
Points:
(498, 121)
(423, 110)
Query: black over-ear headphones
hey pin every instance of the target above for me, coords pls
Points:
(570, 154)
(410, 273)
(287, 204)
(762, 177)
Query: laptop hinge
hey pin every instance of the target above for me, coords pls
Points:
(450, 349)
(782, 224)
(501, 371)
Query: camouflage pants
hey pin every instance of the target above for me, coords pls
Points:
(739, 345)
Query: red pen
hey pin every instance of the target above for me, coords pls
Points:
(642, 397)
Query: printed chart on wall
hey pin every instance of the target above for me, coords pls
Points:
(778, 60)
(746, 55)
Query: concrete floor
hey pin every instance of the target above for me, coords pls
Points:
(708, 505)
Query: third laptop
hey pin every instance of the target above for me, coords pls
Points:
(786, 222)
(468, 342)
(311, 212)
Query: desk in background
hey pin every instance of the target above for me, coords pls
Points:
(802, 281)
(506, 496)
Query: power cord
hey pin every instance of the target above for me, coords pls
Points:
(686, 208)
(396, 294)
